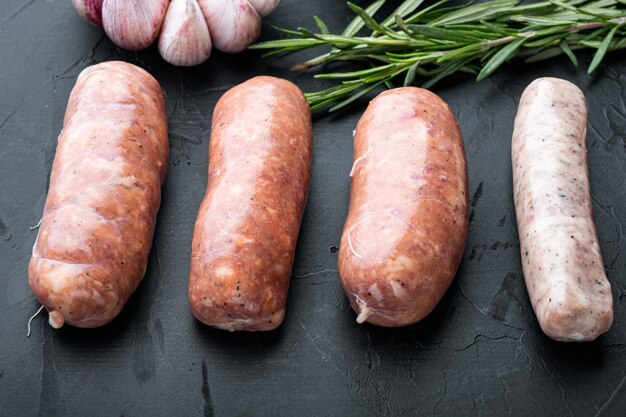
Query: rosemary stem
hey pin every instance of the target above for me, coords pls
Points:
(594, 25)
(437, 41)
(310, 63)
(507, 39)
(322, 59)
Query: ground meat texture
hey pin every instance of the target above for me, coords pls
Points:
(561, 256)
(105, 190)
(407, 225)
(247, 227)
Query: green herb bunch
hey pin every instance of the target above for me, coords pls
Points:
(437, 41)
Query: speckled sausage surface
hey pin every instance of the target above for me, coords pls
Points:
(105, 190)
(407, 225)
(561, 256)
(247, 227)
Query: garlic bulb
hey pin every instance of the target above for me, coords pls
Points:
(184, 39)
(234, 24)
(90, 10)
(133, 24)
(264, 7)
(187, 29)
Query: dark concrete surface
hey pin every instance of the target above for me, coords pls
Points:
(480, 353)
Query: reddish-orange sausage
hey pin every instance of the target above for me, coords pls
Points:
(247, 227)
(407, 225)
(104, 195)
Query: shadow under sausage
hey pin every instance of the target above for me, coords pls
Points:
(106, 337)
(427, 334)
(240, 345)
(133, 324)
(576, 357)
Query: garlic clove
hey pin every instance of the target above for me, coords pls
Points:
(184, 38)
(234, 24)
(133, 24)
(264, 7)
(90, 10)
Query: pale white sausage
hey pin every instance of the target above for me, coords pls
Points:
(561, 256)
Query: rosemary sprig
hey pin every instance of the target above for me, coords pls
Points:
(431, 43)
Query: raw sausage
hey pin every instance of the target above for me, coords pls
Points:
(105, 190)
(560, 253)
(407, 224)
(561, 256)
(247, 227)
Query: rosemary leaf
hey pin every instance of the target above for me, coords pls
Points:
(496, 28)
(543, 21)
(548, 40)
(545, 54)
(358, 23)
(407, 7)
(443, 34)
(460, 53)
(409, 79)
(475, 12)
(604, 46)
(321, 26)
(286, 31)
(433, 12)
(498, 59)
(353, 74)
(372, 24)
(568, 51)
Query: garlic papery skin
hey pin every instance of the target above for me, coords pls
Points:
(233, 24)
(264, 7)
(90, 10)
(184, 40)
(133, 24)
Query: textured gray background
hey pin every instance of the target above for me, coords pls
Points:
(481, 351)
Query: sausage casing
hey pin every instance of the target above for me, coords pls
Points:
(559, 245)
(247, 227)
(407, 224)
(105, 190)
